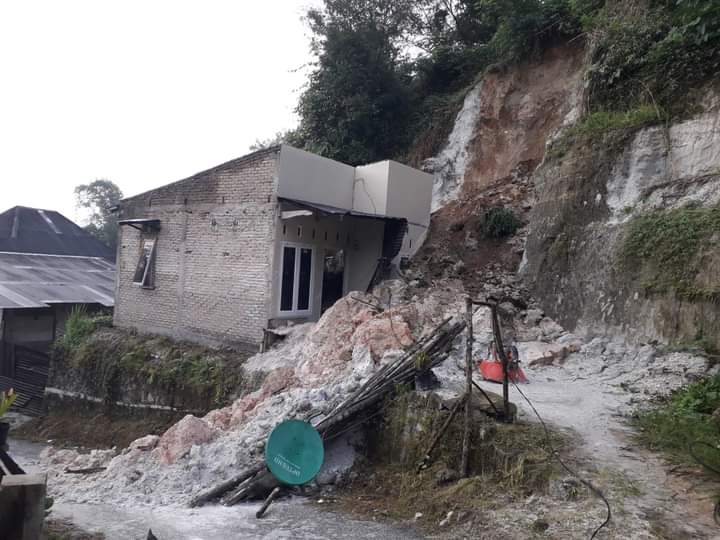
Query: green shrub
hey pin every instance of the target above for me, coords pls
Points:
(499, 223)
(78, 326)
(654, 56)
(702, 397)
(683, 421)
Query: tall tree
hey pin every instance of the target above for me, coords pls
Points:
(355, 107)
(97, 198)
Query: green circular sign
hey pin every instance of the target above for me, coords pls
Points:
(294, 452)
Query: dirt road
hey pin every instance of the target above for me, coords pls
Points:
(590, 395)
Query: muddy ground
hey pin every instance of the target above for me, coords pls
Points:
(93, 429)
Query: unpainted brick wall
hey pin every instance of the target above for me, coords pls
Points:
(213, 255)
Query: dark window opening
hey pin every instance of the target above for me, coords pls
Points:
(145, 269)
(288, 277)
(333, 277)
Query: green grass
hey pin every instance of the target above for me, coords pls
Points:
(611, 129)
(603, 121)
(683, 420)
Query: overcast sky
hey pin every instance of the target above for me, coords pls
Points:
(140, 92)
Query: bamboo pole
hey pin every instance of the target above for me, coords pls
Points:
(435, 345)
(468, 389)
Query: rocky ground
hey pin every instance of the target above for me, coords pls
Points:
(579, 386)
(590, 393)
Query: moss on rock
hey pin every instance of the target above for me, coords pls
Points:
(665, 249)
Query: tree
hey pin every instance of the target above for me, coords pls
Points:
(97, 198)
(289, 136)
(356, 105)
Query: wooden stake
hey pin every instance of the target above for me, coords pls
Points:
(468, 389)
(503, 357)
(267, 502)
(426, 458)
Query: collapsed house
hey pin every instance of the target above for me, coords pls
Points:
(48, 266)
(231, 253)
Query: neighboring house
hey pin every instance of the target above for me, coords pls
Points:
(275, 236)
(48, 266)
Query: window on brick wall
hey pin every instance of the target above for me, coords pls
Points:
(145, 269)
(296, 279)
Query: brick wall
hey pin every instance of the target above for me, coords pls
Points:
(213, 254)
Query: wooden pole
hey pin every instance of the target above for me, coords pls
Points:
(503, 358)
(497, 337)
(426, 458)
(468, 390)
(267, 502)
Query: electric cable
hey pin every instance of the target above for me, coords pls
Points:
(586, 483)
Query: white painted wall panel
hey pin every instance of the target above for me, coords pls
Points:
(308, 177)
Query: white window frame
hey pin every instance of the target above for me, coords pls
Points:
(295, 312)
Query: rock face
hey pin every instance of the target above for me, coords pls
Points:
(587, 199)
(505, 121)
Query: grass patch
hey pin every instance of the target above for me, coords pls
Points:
(611, 129)
(506, 462)
(79, 326)
(665, 249)
(516, 465)
(603, 121)
(685, 418)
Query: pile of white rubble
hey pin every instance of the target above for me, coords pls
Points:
(318, 365)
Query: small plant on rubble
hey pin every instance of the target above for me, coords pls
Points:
(6, 401)
(422, 361)
(499, 223)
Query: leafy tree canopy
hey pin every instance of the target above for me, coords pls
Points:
(388, 72)
(97, 198)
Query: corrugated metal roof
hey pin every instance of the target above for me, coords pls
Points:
(31, 230)
(30, 280)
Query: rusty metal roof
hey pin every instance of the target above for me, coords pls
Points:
(30, 280)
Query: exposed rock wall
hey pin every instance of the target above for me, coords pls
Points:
(516, 143)
(506, 120)
(587, 198)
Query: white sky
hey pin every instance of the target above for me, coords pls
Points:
(142, 92)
